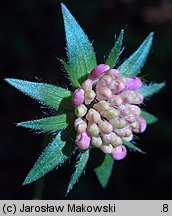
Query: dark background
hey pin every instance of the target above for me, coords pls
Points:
(31, 35)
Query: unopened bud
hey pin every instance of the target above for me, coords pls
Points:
(87, 85)
(131, 119)
(80, 125)
(93, 116)
(89, 96)
(101, 106)
(119, 152)
(104, 94)
(98, 71)
(113, 73)
(93, 129)
(115, 100)
(105, 81)
(142, 124)
(135, 110)
(107, 149)
(78, 97)
(117, 86)
(127, 139)
(111, 113)
(118, 142)
(96, 141)
(105, 126)
(109, 138)
(118, 123)
(83, 141)
(124, 132)
(128, 96)
(133, 83)
(124, 110)
(81, 110)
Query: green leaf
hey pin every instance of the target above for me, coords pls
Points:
(132, 66)
(150, 119)
(72, 75)
(46, 94)
(152, 88)
(80, 52)
(133, 147)
(52, 124)
(104, 171)
(116, 51)
(80, 166)
(51, 157)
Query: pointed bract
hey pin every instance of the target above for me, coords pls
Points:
(150, 89)
(133, 65)
(47, 94)
(116, 51)
(79, 168)
(133, 147)
(81, 56)
(104, 171)
(49, 124)
(51, 157)
(150, 119)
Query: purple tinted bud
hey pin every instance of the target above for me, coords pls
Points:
(119, 152)
(142, 124)
(133, 83)
(83, 141)
(87, 85)
(78, 97)
(113, 73)
(98, 71)
(107, 149)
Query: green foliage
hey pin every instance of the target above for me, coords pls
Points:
(80, 166)
(133, 147)
(46, 94)
(150, 119)
(51, 157)
(80, 52)
(72, 76)
(104, 171)
(152, 88)
(116, 51)
(48, 124)
(132, 66)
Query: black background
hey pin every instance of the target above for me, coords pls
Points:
(31, 35)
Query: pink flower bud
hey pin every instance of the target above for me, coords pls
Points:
(78, 97)
(81, 110)
(101, 106)
(111, 113)
(135, 110)
(142, 124)
(93, 116)
(89, 96)
(119, 152)
(109, 138)
(96, 141)
(104, 94)
(80, 125)
(87, 85)
(124, 132)
(139, 98)
(118, 123)
(83, 141)
(115, 100)
(98, 71)
(133, 83)
(117, 86)
(107, 149)
(128, 96)
(93, 129)
(105, 126)
(104, 81)
(127, 139)
(124, 110)
(130, 118)
(113, 73)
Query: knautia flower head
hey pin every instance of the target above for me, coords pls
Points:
(101, 111)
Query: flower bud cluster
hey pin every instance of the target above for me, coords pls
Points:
(107, 111)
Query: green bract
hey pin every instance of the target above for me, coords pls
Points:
(80, 61)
